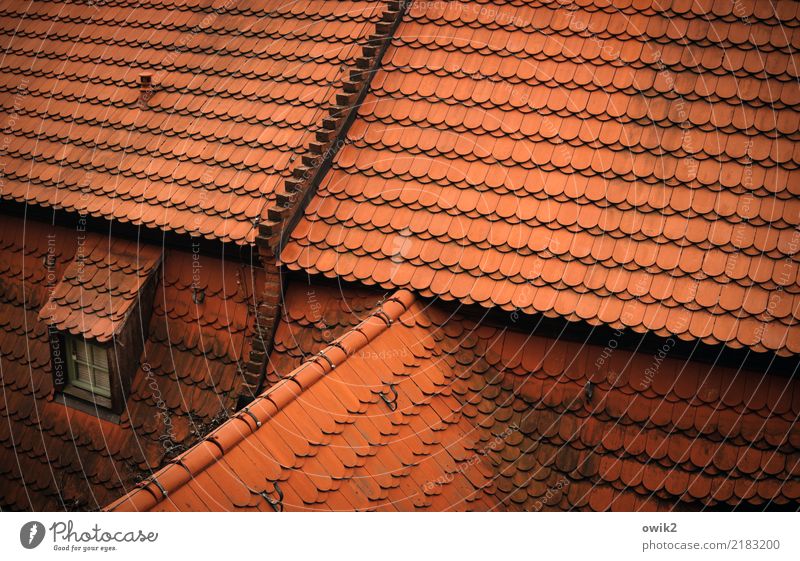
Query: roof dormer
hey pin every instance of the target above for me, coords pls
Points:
(95, 316)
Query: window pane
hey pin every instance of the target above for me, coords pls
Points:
(81, 359)
(82, 372)
(81, 349)
(100, 358)
(102, 382)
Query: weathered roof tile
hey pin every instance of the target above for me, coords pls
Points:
(238, 93)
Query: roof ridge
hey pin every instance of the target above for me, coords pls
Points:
(214, 445)
(279, 219)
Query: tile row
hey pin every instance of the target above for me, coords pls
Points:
(236, 101)
(644, 183)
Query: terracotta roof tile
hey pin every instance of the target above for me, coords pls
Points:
(49, 452)
(687, 157)
(100, 288)
(233, 110)
(485, 418)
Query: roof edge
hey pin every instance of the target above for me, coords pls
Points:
(246, 421)
(531, 311)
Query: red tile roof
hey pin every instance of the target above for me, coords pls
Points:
(54, 456)
(416, 408)
(240, 90)
(100, 288)
(633, 166)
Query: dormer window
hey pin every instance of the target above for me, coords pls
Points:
(97, 317)
(88, 367)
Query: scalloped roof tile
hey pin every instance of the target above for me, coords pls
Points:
(403, 405)
(100, 287)
(240, 89)
(635, 166)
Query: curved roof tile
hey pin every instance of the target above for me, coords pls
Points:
(633, 166)
(415, 408)
(240, 90)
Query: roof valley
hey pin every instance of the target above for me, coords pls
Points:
(277, 220)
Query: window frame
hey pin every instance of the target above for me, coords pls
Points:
(91, 366)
